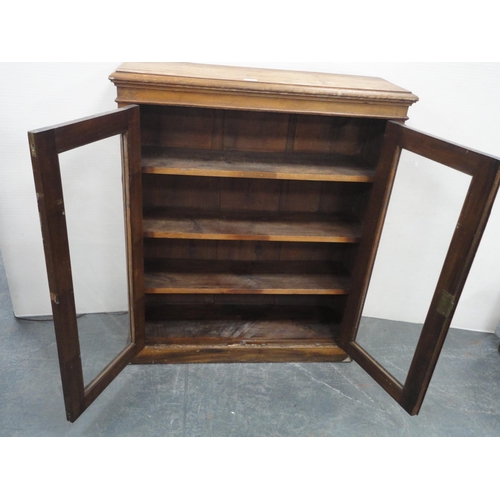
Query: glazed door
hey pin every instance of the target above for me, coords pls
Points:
(479, 179)
(81, 385)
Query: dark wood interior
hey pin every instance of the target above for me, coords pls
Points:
(252, 222)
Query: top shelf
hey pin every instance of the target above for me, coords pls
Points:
(254, 165)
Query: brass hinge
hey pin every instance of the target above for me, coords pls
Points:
(446, 303)
(32, 147)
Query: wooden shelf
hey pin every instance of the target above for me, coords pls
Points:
(226, 277)
(254, 227)
(253, 165)
(244, 323)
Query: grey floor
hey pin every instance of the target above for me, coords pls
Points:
(294, 399)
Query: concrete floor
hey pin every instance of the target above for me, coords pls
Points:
(292, 399)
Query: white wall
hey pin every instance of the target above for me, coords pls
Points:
(458, 101)
(37, 95)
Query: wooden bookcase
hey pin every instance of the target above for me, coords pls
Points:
(254, 203)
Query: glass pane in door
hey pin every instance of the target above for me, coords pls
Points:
(93, 199)
(425, 205)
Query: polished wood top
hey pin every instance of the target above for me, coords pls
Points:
(264, 89)
(258, 79)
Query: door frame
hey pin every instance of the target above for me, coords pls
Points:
(485, 180)
(45, 146)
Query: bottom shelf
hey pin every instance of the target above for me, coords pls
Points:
(174, 323)
(217, 333)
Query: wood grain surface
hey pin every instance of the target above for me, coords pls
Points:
(170, 161)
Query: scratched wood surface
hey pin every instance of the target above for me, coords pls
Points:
(265, 323)
(224, 277)
(250, 226)
(299, 351)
